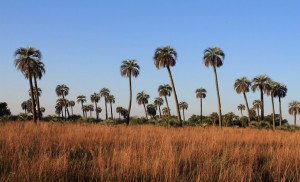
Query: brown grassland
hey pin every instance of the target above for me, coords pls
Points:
(93, 152)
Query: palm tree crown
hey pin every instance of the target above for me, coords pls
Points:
(130, 68)
(142, 98)
(62, 90)
(213, 57)
(201, 93)
(242, 85)
(241, 107)
(95, 97)
(164, 90)
(165, 57)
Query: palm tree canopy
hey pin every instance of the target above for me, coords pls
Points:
(38, 69)
(111, 99)
(183, 105)
(280, 90)
(241, 107)
(98, 110)
(151, 110)
(24, 105)
(91, 107)
(104, 92)
(158, 101)
(165, 57)
(81, 99)
(213, 57)
(39, 91)
(62, 90)
(241, 85)
(119, 109)
(43, 109)
(142, 98)
(95, 97)
(294, 107)
(130, 68)
(164, 90)
(165, 111)
(61, 102)
(256, 104)
(71, 103)
(261, 82)
(201, 93)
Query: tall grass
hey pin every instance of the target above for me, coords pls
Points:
(90, 152)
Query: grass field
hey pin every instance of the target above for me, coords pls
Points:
(90, 152)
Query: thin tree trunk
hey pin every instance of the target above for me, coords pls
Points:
(183, 115)
(119, 116)
(218, 95)
(37, 99)
(280, 121)
(82, 109)
(32, 96)
(72, 110)
(62, 112)
(111, 112)
(242, 118)
(248, 110)
(65, 106)
(159, 111)
(106, 116)
(145, 111)
(169, 113)
(68, 112)
(258, 114)
(201, 109)
(273, 110)
(130, 99)
(295, 118)
(96, 111)
(262, 104)
(175, 96)
(90, 113)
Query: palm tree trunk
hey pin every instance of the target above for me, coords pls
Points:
(201, 109)
(262, 104)
(242, 118)
(72, 110)
(145, 111)
(65, 106)
(295, 118)
(273, 110)
(90, 113)
(248, 110)
(258, 114)
(37, 99)
(169, 113)
(111, 112)
(82, 109)
(218, 95)
(159, 111)
(96, 111)
(32, 97)
(183, 115)
(280, 113)
(130, 99)
(68, 112)
(106, 116)
(175, 96)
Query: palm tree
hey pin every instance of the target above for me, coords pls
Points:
(111, 100)
(165, 57)
(158, 101)
(164, 91)
(104, 92)
(24, 106)
(165, 111)
(129, 68)
(58, 109)
(215, 57)
(91, 108)
(201, 94)
(294, 109)
(257, 105)
(37, 93)
(242, 85)
(241, 107)
(142, 98)
(71, 104)
(38, 71)
(81, 99)
(95, 99)
(119, 110)
(25, 59)
(42, 110)
(261, 83)
(60, 104)
(86, 109)
(151, 110)
(62, 90)
(184, 106)
(272, 91)
(281, 91)
(98, 111)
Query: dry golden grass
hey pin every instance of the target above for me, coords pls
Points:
(87, 152)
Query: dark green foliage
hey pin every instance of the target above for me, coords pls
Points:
(3, 109)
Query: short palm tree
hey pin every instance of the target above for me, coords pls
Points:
(142, 99)
(24, 106)
(242, 85)
(95, 99)
(62, 90)
(91, 108)
(165, 111)
(164, 91)
(242, 107)
(98, 111)
(111, 100)
(71, 104)
(151, 110)
(257, 105)
(129, 68)
(165, 57)
(294, 109)
(184, 106)
(261, 83)
(81, 99)
(119, 110)
(58, 109)
(158, 101)
(281, 91)
(86, 109)
(201, 94)
(104, 92)
(60, 104)
(25, 59)
(215, 57)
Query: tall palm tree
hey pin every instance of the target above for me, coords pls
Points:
(215, 57)
(184, 106)
(25, 59)
(119, 110)
(86, 109)
(58, 109)
(281, 91)
(201, 94)
(38, 71)
(62, 90)
(272, 92)
(111, 100)
(242, 107)
(257, 105)
(24, 106)
(164, 91)
(95, 99)
(261, 83)
(129, 68)
(142, 98)
(294, 109)
(242, 85)
(71, 104)
(81, 99)
(37, 93)
(165, 57)
(60, 104)
(158, 101)
(104, 92)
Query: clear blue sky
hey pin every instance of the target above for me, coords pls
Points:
(84, 42)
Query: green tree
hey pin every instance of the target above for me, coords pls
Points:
(201, 94)
(215, 57)
(280, 92)
(164, 91)
(129, 68)
(294, 109)
(63, 91)
(38, 72)
(261, 83)
(81, 99)
(24, 106)
(151, 110)
(142, 98)
(184, 106)
(165, 57)
(60, 104)
(111, 100)
(158, 101)
(272, 92)
(119, 110)
(104, 92)
(71, 104)
(90, 108)
(25, 60)
(98, 111)
(257, 105)
(165, 111)
(242, 107)
(95, 99)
